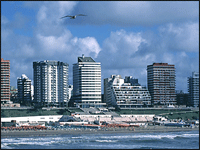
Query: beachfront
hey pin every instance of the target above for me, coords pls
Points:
(142, 129)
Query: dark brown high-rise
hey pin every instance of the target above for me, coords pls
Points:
(5, 80)
(161, 83)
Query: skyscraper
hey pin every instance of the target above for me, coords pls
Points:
(86, 82)
(161, 83)
(24, 90)
(50, 82)
(5, 81)
(193, 89)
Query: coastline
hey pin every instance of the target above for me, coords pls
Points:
(149, 129)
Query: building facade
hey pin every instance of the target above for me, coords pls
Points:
(5, 80)
(87, 82)
(193, 89)
(121, 93)
(13, 94)
(161, 83)
(70, 91)
(50, 83)
(182, 98)
(24, 90)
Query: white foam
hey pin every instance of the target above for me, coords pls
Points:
(76, 137)
(5, 146)
(106, 141)
(190, 135)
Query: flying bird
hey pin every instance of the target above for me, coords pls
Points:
(73, 17)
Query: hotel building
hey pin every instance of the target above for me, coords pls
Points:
(5, 81)
(24, 89)
(161, 83)
(124, 94)
(87, 82)
(193, 89)
(50, 82)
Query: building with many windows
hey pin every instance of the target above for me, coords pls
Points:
(181, 98)
(13, 94)
(122, 93)
(193, 89)
(161, 83)
(50, 83)
(87, 82)
(24, 90)
(5, 81)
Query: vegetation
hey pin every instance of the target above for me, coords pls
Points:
(193, 115)
(169, 113)
(32, 112)
(145, 111)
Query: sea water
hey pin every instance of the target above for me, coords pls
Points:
(165, 140)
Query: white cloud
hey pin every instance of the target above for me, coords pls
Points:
(145, 13)
(129, 53)
(123, 52)
(88, 46)
(119, 48)
(42, 14)
(66, 7)
(181, 37)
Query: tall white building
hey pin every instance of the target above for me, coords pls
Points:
(123, 94)
(24, 89)
(193, 89)
(70, 91)
(50, 82)
(87, 82)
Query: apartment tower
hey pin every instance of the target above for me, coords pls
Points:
(86, 82)
(5, 81)
(24, 89)
(50, 82)
(193, 89)
(161, 83)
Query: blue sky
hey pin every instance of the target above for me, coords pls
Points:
(125, 36)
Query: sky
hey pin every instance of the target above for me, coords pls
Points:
(124, 36)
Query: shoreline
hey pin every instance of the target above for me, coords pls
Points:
(149, 129)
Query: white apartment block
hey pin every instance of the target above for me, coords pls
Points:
(125, 95)
(50, 82)
(70, 91)
(86, 82)
(193, 89)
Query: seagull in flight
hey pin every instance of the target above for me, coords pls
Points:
(73, 17)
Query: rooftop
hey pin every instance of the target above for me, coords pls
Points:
(85, 59)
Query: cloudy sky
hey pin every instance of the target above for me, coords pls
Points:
(124, 36)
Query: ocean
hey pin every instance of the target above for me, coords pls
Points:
(165, 140)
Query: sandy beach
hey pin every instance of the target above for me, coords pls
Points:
(6, 134)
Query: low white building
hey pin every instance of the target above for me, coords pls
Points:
(125, 95)
(32, 119)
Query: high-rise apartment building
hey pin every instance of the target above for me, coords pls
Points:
(87, 82)
(24, 90)
(13, 94)
(181, 98)
(125, 93)
(161, 83)
(70, 91)
(5, 80)
(51, 82)
(193, 89)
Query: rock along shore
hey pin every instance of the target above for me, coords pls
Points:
(28, 133)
